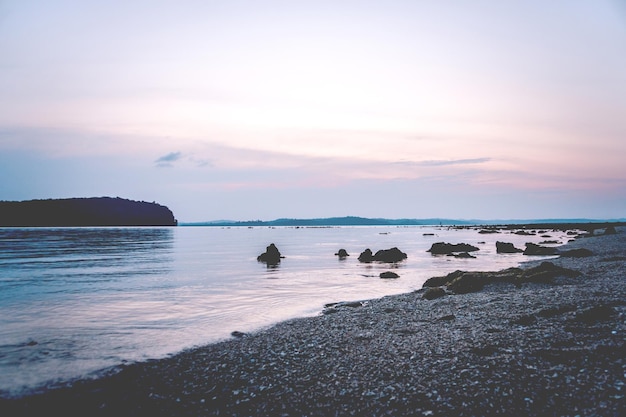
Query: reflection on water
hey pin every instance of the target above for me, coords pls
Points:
(49, 260)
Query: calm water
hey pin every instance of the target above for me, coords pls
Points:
(77, 300)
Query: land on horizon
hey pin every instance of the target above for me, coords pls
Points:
(364, 221)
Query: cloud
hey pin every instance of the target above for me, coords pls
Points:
(167, 160)
(446, 162)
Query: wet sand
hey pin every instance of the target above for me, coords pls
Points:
(535, 349)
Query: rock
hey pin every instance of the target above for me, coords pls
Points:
(366, 256)
(342, 254)
(432, 293)
(576, 253)
(238, 334)
(545, 273)
(390, 255)
(505, 247)
(441, 248)
(445, 280)
(389, 274)
(271, 256)
(534, 249)
(468, 282)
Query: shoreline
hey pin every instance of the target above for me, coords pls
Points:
(533, 350)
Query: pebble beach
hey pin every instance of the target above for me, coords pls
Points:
(544, 348)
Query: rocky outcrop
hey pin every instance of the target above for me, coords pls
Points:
(576, 253)
(76, 212)
(505, 247)
(441, 248)
(462, 282)
(271, 256)
(534, 249)
(342, 254)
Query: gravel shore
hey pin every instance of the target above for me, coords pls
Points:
(535, 349)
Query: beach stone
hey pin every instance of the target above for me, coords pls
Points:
(390, 255)
(342, 253)
(506, 247)
(366, 256)
(576, 253)
(433, 293)
(525, 320)
(389, 274)
(271, 256)
(534, 249)
(441, 248)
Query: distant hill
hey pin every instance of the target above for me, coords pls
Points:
(363, 221)
(96, 211)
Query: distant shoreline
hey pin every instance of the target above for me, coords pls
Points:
(364, 221)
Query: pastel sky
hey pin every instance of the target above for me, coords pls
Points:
(245, 109)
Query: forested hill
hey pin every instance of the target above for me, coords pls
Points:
(96, 211)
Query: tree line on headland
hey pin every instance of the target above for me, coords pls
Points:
(95, 211)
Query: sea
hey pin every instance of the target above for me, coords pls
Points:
(77, 302)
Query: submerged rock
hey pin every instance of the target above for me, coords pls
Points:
(342, 254)
(271, 256)
(389, 274)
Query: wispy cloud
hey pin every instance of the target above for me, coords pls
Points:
(168, 160)
(446, 162)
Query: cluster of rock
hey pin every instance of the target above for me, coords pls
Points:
(463, 282)
(441, 248)
(392, 255)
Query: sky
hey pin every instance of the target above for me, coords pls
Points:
(247, 110)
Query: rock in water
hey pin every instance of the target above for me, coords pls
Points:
(389, 274)
(342, 254)
(441, 248)
(366, 256)
(390, 255)
(505, 247)
(271, 256)
(534, 249)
